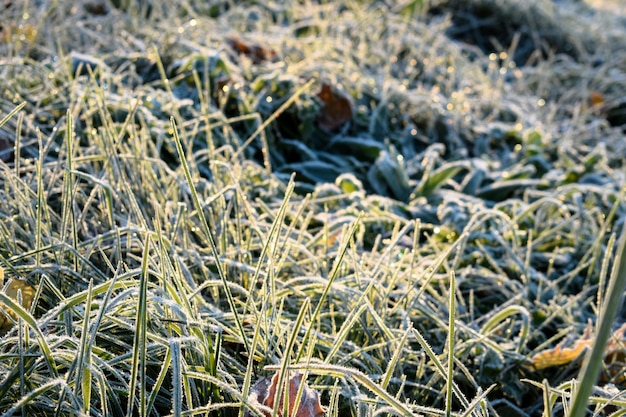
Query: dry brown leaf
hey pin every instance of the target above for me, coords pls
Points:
(263, 395)
(255, 52)
(96, 7)
(11, 289)
(336, 109)
(559, 355)
(596, 99)
(564, 355)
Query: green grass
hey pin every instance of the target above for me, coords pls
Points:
(470, 215)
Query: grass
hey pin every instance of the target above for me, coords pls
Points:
(468, 217)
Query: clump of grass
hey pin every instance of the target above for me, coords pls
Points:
(463, 221)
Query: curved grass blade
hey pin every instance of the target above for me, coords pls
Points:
(25, 315)
(439, 177)
(502, 315)
(42, 389)
(359, 377)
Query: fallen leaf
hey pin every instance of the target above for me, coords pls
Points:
(596, 99)
(263, 396)
(336, 109)
(560, 355)
(96, 7)
(11, 289)
(254, 51)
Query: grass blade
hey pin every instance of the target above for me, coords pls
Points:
(450, 375)
(438, 365)
(177, 377)
(594, 361)
(25, 315)
(331, 279)
(270, 119)
(209, 235)
(138, 364)
(12, 113)
(394, 359)
(284, 369)
(83, 358)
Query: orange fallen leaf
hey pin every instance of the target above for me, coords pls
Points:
(8, 317)
(596, 99)
(263, 395)
(336, 109)
(560, 355)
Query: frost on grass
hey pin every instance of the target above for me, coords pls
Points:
(482, 144)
